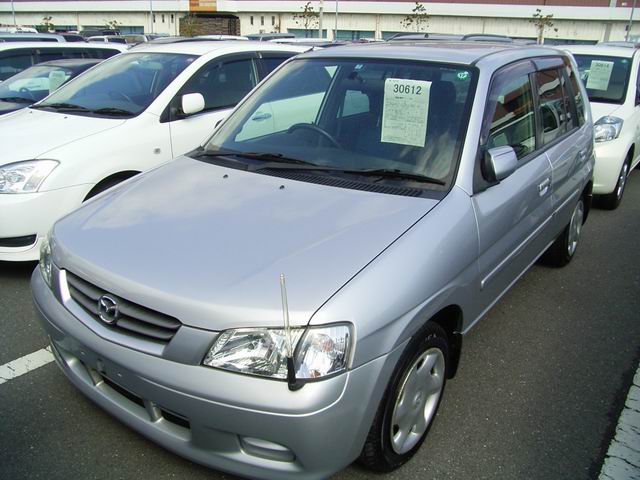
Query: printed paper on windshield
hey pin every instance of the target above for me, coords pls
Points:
(599, 75)
(405, 109)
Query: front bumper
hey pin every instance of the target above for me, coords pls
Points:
(609, 159)
(245, 425)
(25, 214)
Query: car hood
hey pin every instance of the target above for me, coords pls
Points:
(207, 244)
(599, 110)
(31, 133)
(8, 107)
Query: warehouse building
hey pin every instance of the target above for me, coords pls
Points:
(572, 20)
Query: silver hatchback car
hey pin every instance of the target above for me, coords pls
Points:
(292, 295)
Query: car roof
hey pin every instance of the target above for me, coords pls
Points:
(606, 50)
(70, 62)
(28, 36)
(207, 46)
(76, 45)
(490, 55)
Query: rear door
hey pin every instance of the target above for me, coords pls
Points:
(563, 134)
(513, 214)
(223, 82)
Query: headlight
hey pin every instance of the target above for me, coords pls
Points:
(25, 177)
(607, 128)
(320, 351)
(45, 260)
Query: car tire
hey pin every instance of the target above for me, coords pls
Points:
(565, 246)
(613, 199)
(410, 403)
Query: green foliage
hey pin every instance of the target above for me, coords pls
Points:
(418, 18)
(307, 18)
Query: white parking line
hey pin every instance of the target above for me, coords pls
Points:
(25, 364)
(623, 457)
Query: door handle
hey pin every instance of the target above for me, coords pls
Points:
(582, 155)
(543, 187)
(258, 117)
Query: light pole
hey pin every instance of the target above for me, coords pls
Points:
(626, 38)
(151, 14)
(13, 11)
(320, 10)
(335, 31)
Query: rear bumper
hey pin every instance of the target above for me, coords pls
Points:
(248, 426)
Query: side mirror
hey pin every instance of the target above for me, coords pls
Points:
(500, 162)
(192, 103)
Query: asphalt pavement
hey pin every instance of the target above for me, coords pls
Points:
(542, 381)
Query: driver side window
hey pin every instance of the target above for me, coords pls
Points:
(222, 84)
(512, 110)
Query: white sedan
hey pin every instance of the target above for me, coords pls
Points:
(126, 115)
(611, 75)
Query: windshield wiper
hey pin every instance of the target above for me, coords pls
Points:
(70, 107)
(376, 172)
(273, 159)
(16, 99)
(113, 111)
(395, 173)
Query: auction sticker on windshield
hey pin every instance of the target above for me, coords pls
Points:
(405, 109)
(599, 75)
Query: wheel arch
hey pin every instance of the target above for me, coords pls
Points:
(110, 181)
(450, 319)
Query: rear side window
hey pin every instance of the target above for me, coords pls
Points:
(270, 63)
(14, 61)
(553, 115)
(512, 113)
(222, 83)
(577, 94)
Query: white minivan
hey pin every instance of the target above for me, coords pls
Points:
(612, 75)
(126, 115)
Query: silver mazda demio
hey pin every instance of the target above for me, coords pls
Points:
(291, 296)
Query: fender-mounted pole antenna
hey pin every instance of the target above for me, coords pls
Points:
(291, 369)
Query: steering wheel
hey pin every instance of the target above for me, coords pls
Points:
(114, 94)
(315, 128)
(28, 92)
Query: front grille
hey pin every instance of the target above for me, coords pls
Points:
(18, 241)
(134, 319)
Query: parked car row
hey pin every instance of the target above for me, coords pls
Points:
(290, 292)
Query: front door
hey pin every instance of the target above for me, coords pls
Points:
(222, 83)
(512, 214)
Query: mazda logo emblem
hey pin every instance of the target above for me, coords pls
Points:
(108, 309)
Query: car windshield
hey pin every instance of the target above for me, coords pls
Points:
(605, 78)
(124, 86)
(35, 83)
(356, 116)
